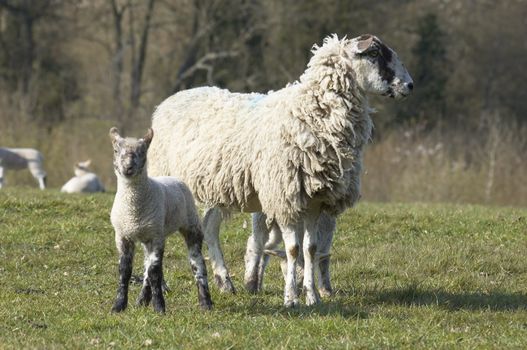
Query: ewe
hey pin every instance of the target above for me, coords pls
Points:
(148, 209)
(291, 154)
(83, 181)
(22, 158)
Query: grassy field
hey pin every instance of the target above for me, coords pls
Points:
(405, 275)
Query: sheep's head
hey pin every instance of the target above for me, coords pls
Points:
(377, 68)
(129, 154)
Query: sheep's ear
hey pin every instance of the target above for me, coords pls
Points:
(364, 42)
(85, 164)
(114, 134)
(148, 136)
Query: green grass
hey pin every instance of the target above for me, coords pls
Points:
(405, 275)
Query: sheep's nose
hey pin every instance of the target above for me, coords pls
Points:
(410, 86)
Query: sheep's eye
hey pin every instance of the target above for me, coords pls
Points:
(373, 53)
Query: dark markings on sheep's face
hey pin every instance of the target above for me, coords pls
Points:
(391, 78)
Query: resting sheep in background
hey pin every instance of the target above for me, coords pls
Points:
(84, 180)
(291, 154)
(22, 158)
(148, 209)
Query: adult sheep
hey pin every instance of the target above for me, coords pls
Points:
(22, 158)
(291, 153)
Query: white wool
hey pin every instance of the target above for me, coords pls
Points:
(21, 158)
(272, 152)
(88, 183)
(83, 181)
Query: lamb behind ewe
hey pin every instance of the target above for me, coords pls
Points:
(84, 180)
(22, 158)
(148, 209)
(291, 154)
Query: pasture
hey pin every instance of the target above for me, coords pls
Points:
(404, 275)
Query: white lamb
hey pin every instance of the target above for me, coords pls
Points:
(22, 158)
(84, 180)
(291, 154)
(147, 210)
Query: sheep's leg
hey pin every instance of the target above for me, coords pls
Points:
(126, 257)
(292, 250)
(310, 250)
(275, 237)
(1, 177)
(326, 229)
(145, 296)
(194, 241)
(154, 273)
(254, 252)
(211, 223)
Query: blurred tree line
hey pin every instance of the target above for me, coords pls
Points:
(68, 67)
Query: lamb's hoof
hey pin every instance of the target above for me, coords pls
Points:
(252, 286)
(159, 308)
(119, 306)
(225, 285)
(142, 301)
(206, 304)
(145, 296)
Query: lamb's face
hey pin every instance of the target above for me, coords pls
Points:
(129, 154)
(378, 69)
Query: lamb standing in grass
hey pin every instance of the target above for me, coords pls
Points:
(22, 158)
(291, 154)
(148, 209)
(83, 181)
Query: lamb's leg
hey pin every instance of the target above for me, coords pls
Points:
(194, 239)
(310, 250)
(154, 273)
(211, 224)
(145, 296)
(292, 249)
(254, 253)
(326, 229)
(126, 257)
(1, 177)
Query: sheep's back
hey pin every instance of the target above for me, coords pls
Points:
(211, 139)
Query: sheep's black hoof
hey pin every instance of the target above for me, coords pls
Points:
(119, 305)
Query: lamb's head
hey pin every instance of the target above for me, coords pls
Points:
(129, 154)
(377, 68)
(82, 167)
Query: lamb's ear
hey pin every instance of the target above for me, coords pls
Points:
(85, 164)
(114, 134)
(364, 42)
(148, 136)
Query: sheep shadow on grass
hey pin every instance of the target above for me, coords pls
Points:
(329, 307)
(412, 296)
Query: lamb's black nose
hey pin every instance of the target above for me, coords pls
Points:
(411, 86)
